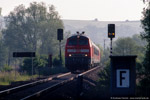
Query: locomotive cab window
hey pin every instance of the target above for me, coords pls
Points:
(83, 41)
(72, 41)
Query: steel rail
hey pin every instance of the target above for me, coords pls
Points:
(89, 70)
(56, 86)
(49, 89)
(18, 88)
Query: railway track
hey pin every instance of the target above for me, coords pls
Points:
(36, 89)
(11, 91)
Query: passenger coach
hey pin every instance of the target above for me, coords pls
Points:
(81, 53)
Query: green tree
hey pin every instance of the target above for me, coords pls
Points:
(146, 36)
(138, 40)
(32, 29)
(143, 86)
(125, 46)
(105, 56)
(131, 46)
(3, 51)
(38, 63)
(49, 37)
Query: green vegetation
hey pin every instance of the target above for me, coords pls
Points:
(38, 63)
(6, 68)
(35, 29)
(31, 29)
(7, 78)
(103, 86)
(123, 46)
(3, 53)
(143, 86)
(146, 36)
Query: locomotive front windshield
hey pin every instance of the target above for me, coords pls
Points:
(72, 41)
(81, 40)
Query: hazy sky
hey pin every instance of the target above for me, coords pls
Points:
(103, 10)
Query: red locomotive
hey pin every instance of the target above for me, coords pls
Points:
(81, 53)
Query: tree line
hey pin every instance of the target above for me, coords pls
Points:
(31, 29)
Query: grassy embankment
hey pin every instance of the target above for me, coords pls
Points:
(7, 77)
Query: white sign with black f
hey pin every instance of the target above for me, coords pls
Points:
(122, 78)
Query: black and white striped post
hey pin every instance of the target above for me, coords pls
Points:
(111, 35)
(111, 47)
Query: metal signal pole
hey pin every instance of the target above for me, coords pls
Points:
(60, 37)
(32, 67)
(60, 52)
(111, 47)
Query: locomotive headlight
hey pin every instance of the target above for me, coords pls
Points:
(86, 55)
(70, 55)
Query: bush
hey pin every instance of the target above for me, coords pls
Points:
(6, 68)
(57, 63)
(40, 66)
(6, 78)
(102, 89)
(38, 63)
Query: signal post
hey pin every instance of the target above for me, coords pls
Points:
(60, 37)
(111, 35)
(123, 74)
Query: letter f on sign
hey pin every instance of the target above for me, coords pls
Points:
(122, 76)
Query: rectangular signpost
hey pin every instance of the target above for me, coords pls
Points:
(123, 76)
(24, 54)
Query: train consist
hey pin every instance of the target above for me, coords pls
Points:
(81, 53)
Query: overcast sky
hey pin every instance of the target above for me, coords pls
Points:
(103, 10)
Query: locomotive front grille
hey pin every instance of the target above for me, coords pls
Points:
(77, 61)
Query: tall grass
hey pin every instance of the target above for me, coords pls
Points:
(7, 77)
